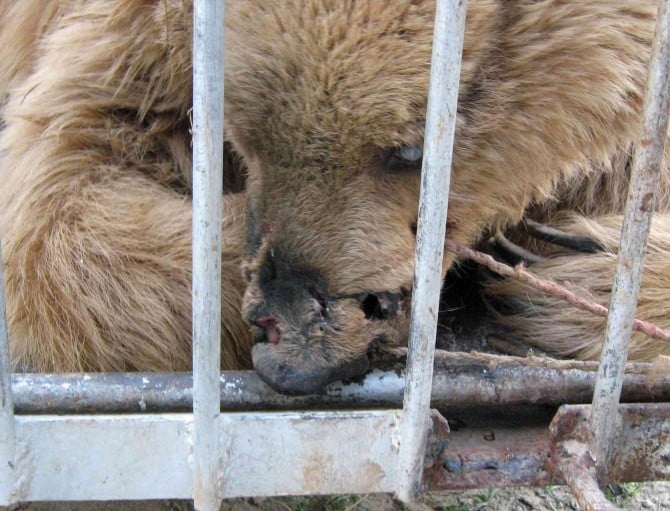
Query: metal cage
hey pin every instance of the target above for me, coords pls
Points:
(53, 448)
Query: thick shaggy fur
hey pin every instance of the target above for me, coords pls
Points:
(550, 98)
(94, 209)
(95, 221)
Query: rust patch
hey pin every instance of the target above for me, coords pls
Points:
(315, 473)
(511, 456)
(641, 451)
(374, 475)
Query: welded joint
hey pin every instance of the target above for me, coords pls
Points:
(573, 460)
(437, 440)
(436, 447)
(578, 467)
(639, 451)
(20, 469)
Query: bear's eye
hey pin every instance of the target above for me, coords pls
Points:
(404, 157)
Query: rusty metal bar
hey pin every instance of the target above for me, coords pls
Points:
(578, 468)
(208, 58)
(435, 180)
(514, 448)
(7, 433)
(459, 379)
(637, 216)
(640, 452)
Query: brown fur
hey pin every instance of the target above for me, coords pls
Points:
(549, 107)
(22, 24)
(542, 321)
(96, 224)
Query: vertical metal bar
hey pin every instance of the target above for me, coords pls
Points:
(435, 180)
(637, 216)
(208, 59)
(7, 436)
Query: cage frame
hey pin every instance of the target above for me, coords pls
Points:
(70, 437)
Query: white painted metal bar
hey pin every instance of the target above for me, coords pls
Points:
(435, 180)
(208, 59)
(137, 457)
(645, 173)
(7, 436)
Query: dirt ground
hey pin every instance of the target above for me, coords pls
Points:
(633, 496)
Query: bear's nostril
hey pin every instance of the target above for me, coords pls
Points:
(269, 324)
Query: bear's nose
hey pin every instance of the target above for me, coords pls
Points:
(269, 324)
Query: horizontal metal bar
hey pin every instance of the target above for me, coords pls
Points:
(128, 457)
(511, 448)
(459, 380)
(505, 447)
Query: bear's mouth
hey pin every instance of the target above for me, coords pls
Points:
(294, 378)
(332, 345)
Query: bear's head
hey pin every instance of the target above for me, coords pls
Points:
(325, 101)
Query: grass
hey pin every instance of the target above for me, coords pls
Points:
(325, 503)
(474, 503)
(621, 492)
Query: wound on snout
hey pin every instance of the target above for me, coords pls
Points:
(272, 332)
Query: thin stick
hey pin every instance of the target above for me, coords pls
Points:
(549, 287)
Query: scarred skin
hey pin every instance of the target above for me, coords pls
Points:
(325, 108)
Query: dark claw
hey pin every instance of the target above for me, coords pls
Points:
(513, 253)
(557, 237)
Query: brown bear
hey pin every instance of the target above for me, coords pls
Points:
(325, 104)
